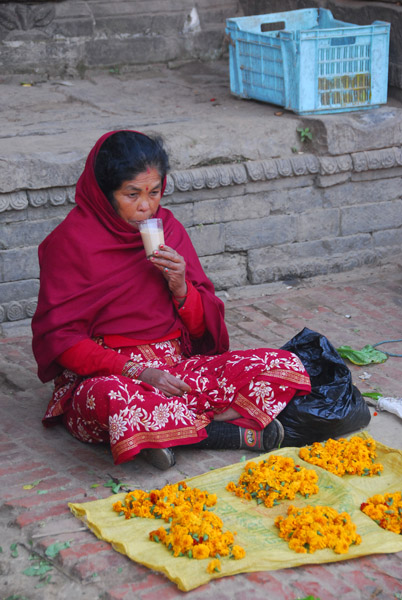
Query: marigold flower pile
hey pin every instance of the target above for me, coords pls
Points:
(344, 457)
(385, 510)
(317, 527)
(194, 531)
(274, 479)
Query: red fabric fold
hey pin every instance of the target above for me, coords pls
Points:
(88, 358)
(192, 311)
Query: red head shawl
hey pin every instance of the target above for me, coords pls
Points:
(95, 280)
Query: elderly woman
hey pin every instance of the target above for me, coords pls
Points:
(137, 347)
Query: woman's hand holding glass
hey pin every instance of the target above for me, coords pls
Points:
(165, 382)
(173, 267)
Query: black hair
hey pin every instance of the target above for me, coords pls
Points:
(126, 154)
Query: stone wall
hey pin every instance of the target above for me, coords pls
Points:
(251, 223)
(66, 37)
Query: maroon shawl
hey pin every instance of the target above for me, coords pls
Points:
(95, 280)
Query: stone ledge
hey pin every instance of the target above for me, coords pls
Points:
(18, 310)
(212, 177)
(343, 133)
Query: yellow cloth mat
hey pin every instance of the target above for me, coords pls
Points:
(254, 524)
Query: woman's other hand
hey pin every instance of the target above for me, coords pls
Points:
(165, 382)
(173, 267)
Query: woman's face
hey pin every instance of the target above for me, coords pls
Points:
(139, 198)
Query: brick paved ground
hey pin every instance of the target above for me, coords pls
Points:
(356, 309)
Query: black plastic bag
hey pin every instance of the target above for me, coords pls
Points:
(334, 407)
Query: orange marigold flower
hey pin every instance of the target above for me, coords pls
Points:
(214, 565)
(193, 530)
(273, 480)
(201, 551)
(238, 552)
(317, 527)
(344, 457)
(386, 510)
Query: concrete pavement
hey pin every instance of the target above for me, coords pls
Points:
(356, 308)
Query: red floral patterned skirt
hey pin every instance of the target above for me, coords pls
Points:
(132, 415)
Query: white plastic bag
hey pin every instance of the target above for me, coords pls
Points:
(392, 405)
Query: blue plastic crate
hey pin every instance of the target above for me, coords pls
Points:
(308, 62)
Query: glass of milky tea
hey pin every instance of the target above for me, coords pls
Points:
(152, 235)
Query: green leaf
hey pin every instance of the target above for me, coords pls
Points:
(365, 356)
(95, 485)
(42, 492)
(37, 570)
(305, 134)
(114, 485)
(29, 486)
(373, 395)
(44, 581)
(14, 550)
(53, 550)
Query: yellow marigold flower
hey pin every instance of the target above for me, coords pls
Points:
(317, 527)
(193, 530)
(153, 535)
(238, 552)
(161, 533)
(344, 457)
(214, 565)
(211, 500)
(228, 538)
(220, 548)
(342, 547)
(385, 510)
(274, 479)
(377, 499)
(200, 551)
(186, 543)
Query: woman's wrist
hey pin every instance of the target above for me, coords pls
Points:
(181, 294)
(133, 370)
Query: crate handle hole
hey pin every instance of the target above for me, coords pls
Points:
(343, 41)
(277, 26)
